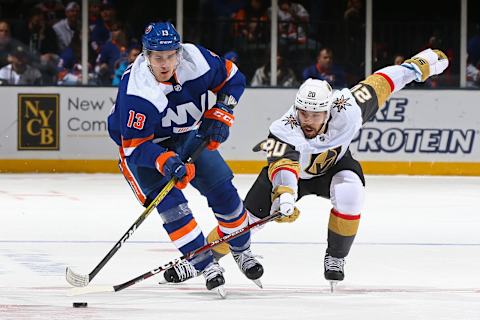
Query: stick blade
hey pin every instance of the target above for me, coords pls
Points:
(76, 279)
(90, 289)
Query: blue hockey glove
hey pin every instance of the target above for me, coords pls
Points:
(216, 125)
(170, 165)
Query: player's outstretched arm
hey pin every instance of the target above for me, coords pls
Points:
(283, 172)
(372, 92)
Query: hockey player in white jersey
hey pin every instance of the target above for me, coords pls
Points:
(307, 153)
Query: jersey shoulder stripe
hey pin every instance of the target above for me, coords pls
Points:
(194, 65)
(231, 71)
(142, 84)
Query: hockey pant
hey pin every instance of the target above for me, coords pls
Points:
(343, 184)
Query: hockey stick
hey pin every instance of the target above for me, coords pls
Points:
(191, 254)
(82, 280)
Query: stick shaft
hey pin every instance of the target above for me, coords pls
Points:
(169, 186)
(193, 253)
(161, 195)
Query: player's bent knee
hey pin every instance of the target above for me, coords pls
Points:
(347, 192)
(223, 197)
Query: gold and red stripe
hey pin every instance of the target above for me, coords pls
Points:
(389, 80)
(288, 169)
(343, 224)
(214, 235)
(381, 85)
(283, 164)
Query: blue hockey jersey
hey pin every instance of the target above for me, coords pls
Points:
(147, 112)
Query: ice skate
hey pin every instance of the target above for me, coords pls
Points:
(249, 265)
(180, 273)
(213, 274)
(333, 270)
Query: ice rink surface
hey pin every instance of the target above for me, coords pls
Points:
(416, 256)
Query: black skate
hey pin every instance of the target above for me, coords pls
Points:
(334, 270)
(180, 273)
(213, 273)
(249, 265)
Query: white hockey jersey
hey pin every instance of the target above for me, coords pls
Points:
(316, 155)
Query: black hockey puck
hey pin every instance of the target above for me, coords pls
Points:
(80, 304)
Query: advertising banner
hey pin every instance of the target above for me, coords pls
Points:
(435, 131)
(38, 122)
(423, 126)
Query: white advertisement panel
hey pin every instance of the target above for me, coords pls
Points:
(70, 123)
(81, 116)
(423, 126)
(414, 125)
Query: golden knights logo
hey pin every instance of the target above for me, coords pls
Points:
(38, 121)
(292, 121)
(321, 162)
(341, 103)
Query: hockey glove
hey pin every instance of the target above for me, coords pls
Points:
(289, 219)
(427, 63)
(171, 166)
(283, 201)
(216, 125)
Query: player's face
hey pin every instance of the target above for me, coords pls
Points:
(163, 64)
(311, 122)
(324, 59)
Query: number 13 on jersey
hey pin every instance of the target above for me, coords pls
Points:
(136, 120)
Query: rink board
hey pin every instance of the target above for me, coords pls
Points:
(55, 129)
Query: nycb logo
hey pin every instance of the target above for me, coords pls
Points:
(38, 121)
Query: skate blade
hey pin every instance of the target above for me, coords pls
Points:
(333, 285)
(258, 283)
(221, 291)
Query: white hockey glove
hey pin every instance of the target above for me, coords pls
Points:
(427, 63)
(283, 201)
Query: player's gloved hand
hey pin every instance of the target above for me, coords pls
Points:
(216, 125)
(171, 166)
(289, 219)
(283, 201)
(427, 63)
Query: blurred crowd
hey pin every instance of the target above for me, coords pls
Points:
(46, 47)
(316, 39)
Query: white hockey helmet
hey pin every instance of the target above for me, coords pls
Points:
(314, 95)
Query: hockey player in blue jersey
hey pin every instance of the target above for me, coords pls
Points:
(161, 108)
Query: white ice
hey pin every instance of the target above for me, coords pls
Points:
(416, 256)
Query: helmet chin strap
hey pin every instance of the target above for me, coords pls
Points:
(322, 128)
(324, 124)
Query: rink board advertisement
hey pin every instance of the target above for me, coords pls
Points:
(38, 122)
(64, 129)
